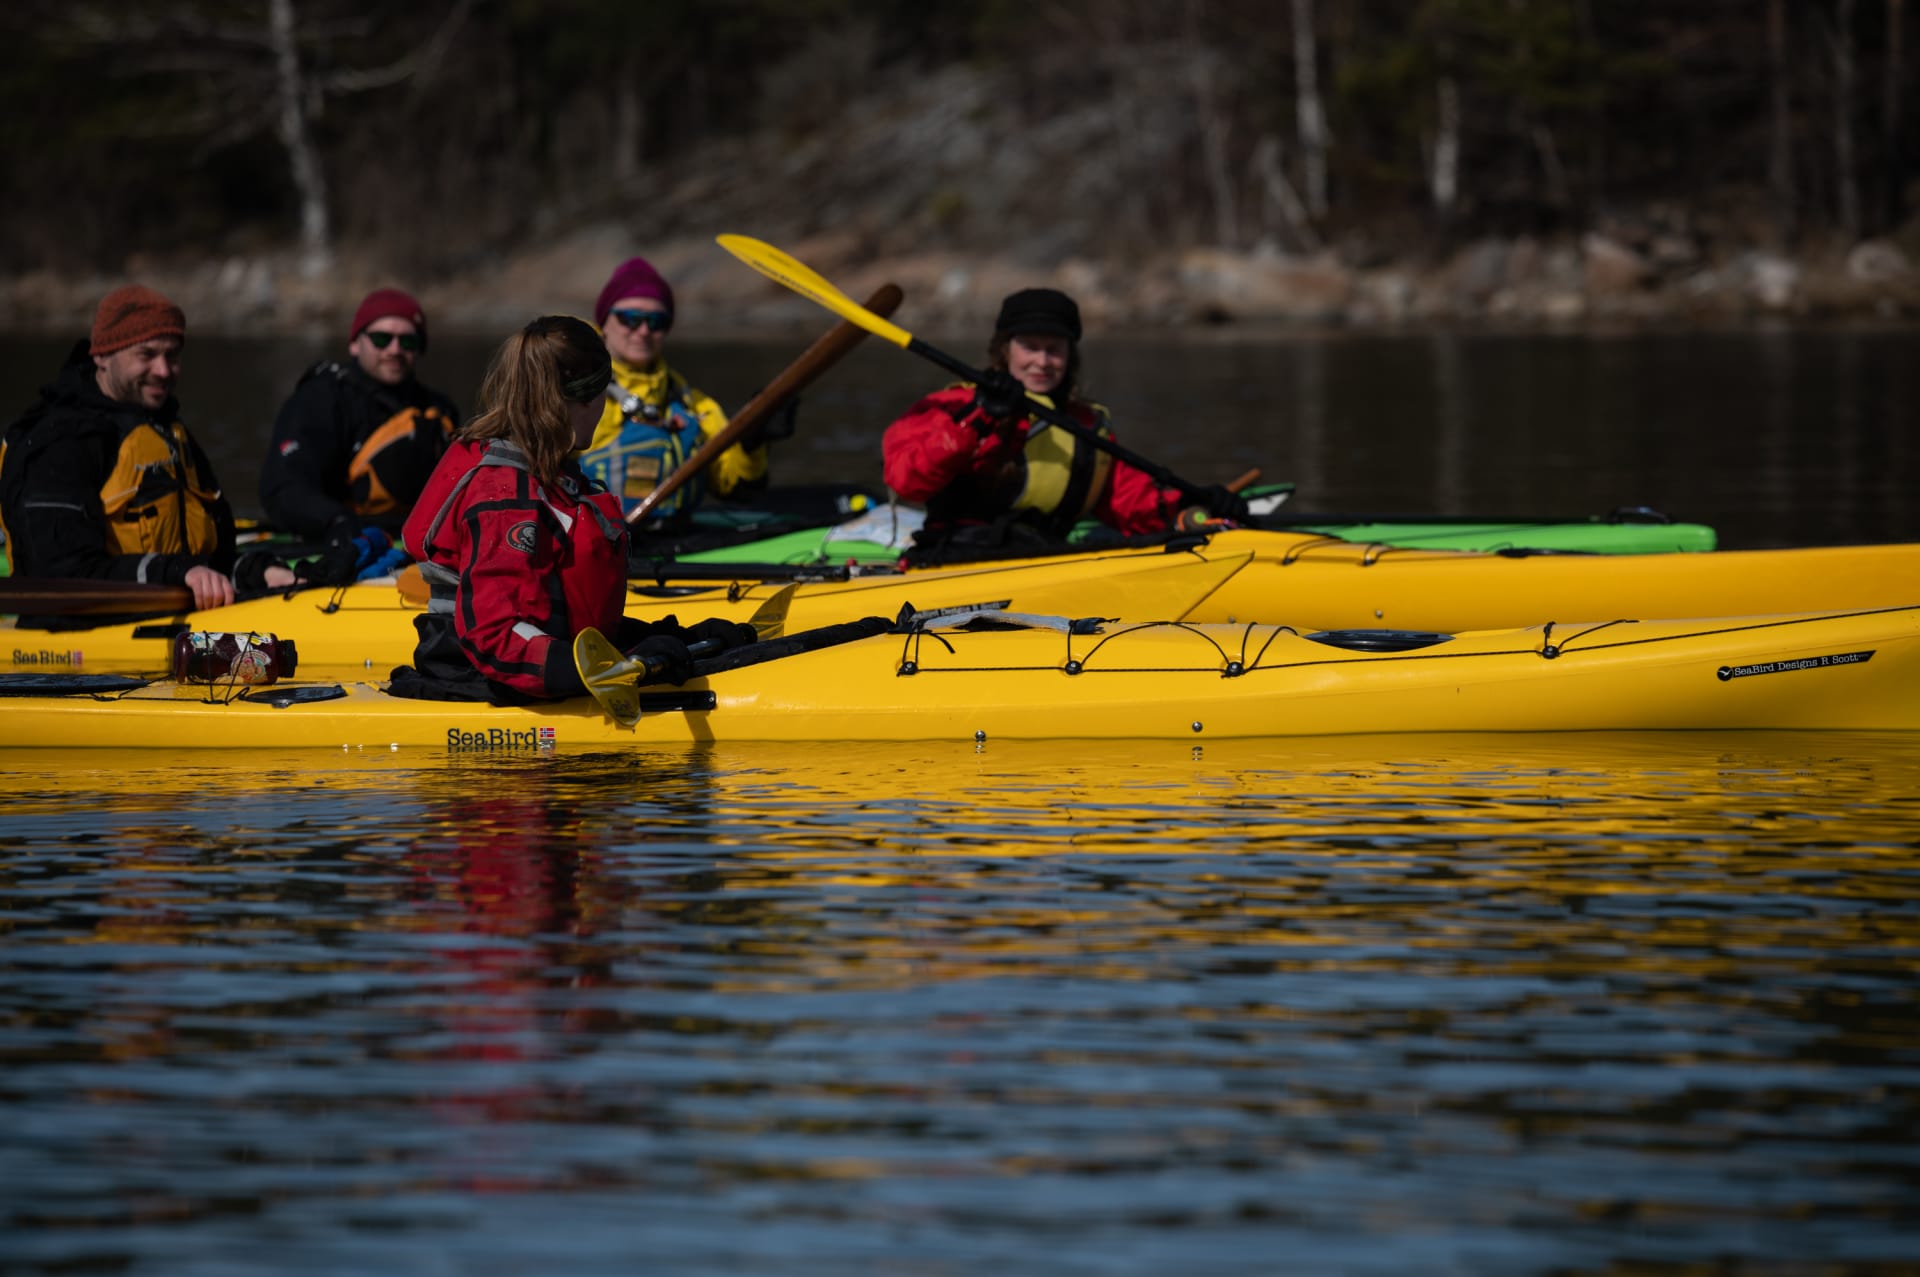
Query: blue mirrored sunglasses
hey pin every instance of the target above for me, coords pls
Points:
(658, 320)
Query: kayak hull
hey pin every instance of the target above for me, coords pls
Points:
(1155, 681)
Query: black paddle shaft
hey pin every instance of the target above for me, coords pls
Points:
(1057, 417)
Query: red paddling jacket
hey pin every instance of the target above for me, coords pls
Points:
(944, 454)
(517, 569)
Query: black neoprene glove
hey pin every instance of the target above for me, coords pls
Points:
(349, 548)
(339, 560)
(999, 397)
(724, 635)
(1223, 503)
(776, 425)
(250, 572)
(667, 658)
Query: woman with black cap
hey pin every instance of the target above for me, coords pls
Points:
(521, 550)
(988, 471)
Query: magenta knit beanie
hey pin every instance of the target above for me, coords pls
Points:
(635, 277)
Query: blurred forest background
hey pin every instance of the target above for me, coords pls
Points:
(1177, 161)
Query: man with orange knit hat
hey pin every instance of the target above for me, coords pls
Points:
(100, 480)
(357, 440)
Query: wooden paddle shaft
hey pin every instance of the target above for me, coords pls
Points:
(825, 352)
(50, 596)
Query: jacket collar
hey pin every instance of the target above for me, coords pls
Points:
(78, 384)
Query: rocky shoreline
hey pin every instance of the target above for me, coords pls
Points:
(942, 183)
(1594, 280)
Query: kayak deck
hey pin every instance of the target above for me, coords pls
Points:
(367, 629)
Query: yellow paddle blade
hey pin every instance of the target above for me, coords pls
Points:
(769, 620)
(782, 269)
(607, 674)
(610, 674)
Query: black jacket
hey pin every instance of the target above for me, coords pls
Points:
(58, 457)
(328, 420)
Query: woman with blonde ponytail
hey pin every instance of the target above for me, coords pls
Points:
(521, 550)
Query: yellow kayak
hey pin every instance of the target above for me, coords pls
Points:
(1047, 680)
(1302, 580)
(1324, 582)
(369, 627)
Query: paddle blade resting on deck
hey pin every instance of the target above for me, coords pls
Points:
(609, 675)
(769, 620)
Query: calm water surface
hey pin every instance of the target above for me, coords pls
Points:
(1586, 1004)
(1788, 438)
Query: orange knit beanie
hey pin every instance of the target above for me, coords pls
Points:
(133, 314)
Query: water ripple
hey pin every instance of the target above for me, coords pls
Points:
(1595, 1004)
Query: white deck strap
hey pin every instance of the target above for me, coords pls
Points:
(1025, 620)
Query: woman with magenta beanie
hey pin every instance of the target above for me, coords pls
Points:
(653, 420)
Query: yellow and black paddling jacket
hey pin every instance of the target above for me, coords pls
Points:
(965, 469)
(350, 450)
(653, 421)
(91, 488)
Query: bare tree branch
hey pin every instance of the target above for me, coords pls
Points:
(291, 124)
(423, 61)
(99, 26)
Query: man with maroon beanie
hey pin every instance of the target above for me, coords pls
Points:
(100, 480)
(357, 440)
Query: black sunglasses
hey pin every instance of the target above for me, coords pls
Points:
(658, 320)
(408, 341)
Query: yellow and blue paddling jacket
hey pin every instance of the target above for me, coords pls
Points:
(653, 421)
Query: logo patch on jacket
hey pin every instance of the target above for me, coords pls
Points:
(522, 536)
(290, 447)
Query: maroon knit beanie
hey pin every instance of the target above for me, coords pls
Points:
(389, 303)
(131, 315)
(634, 278)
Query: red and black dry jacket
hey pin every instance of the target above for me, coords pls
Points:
(944, 454)
(519, 566)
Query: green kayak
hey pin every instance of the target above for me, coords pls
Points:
(880, 536)
(880, 533)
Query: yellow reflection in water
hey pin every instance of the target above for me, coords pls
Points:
(1563, 856)
(881, 867)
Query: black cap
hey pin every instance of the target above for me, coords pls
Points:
(1033, 311)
